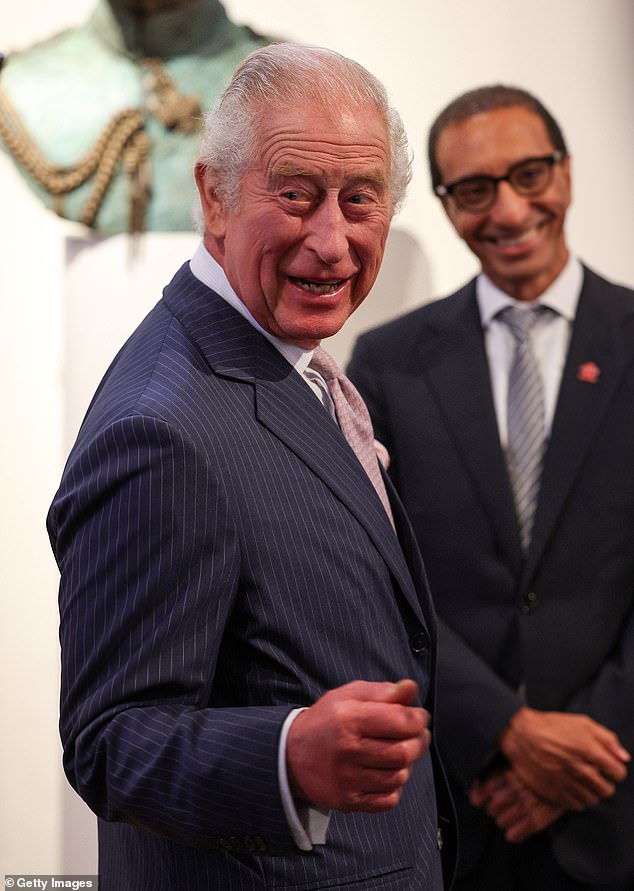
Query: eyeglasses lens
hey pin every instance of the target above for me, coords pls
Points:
(478, 194)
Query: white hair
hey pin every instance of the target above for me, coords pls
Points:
(290, 73)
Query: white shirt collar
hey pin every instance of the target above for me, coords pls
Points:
(562, 295)
(210, 273)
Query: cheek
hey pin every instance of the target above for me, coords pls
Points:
(371, 248)
(468, 229)
(563, 204)
(465, 225)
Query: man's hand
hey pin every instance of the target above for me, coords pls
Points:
(354, 749)
(518, 812)
(568, 760)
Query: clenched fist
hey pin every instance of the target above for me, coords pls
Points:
(354, 749)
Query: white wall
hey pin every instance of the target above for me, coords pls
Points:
(575, 54)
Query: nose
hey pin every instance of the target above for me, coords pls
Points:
(509, 209)
(327, 231)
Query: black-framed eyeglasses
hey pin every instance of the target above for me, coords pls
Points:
(477, 193)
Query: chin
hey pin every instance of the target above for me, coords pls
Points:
(310, 333)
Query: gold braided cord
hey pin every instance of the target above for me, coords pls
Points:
(122, 140)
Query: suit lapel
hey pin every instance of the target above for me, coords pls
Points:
(598, 346)
(289, 410)
(287, 407)
(453, 359)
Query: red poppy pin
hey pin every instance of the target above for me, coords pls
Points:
(589, 372)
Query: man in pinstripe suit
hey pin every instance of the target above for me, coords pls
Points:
(248, 641)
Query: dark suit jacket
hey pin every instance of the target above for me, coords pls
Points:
(563, 620)
(223, 559)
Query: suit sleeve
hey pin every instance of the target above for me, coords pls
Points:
(149, 556)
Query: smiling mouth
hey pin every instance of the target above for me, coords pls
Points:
(320, 288)
(516, 241)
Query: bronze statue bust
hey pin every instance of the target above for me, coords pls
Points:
(102, 120)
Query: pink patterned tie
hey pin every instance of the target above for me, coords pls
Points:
(354, 419)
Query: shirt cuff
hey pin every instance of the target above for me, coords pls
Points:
(308, 825)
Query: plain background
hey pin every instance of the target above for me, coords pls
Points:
(66, 304)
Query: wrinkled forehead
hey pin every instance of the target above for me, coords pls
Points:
(316, 135)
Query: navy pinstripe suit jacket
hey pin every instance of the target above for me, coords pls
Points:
(223, 559)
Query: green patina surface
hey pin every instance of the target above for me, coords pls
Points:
(66, 90)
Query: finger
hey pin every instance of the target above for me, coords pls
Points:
(503, 801)
(588, 777)
(366, 781)
(477, 794)
(390, 754)
(520, 830)
(536, 820)
(481, 795)
(577, 798)
(559, 789)
(404, 691)
(508, 814)
(385, 710)
(482, 791)
(392, 721)
(613, 768)
(612, 744)
(371, 803)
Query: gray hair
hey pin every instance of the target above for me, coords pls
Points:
(287, 73)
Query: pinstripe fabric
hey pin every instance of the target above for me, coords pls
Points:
(223, 559)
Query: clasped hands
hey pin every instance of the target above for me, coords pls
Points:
(558, 762)
(355, 747)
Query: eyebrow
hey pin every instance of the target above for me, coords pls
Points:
(371, 177)
(509, 167)
(290, 170)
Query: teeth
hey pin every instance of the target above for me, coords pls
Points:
(318, 287)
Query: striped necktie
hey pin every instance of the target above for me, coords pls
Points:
(353, 418)
(525, 447)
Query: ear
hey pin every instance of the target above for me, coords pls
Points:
(214, 211)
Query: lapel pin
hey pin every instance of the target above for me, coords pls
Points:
(588, 372)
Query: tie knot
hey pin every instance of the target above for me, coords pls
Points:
(323, 363)
(520, 320)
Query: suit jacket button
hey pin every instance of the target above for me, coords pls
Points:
(419, 642)
(529, 604)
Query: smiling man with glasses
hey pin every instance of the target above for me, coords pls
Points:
(506, 409)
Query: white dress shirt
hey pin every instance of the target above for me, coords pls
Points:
(549, 337)
(308, 825)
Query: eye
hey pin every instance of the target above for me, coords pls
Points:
(359, 204)
(530, 175)
(296, 200)
(473, 190)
